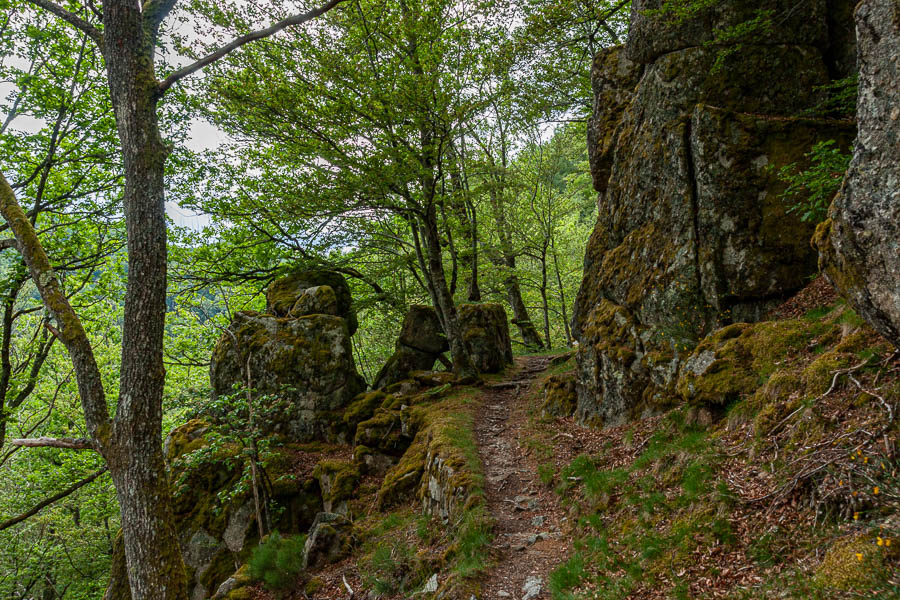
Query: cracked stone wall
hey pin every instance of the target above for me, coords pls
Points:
(691, 232)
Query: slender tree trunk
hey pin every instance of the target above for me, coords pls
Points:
(562, 293)
(529, 333)
(474, 294)
(462, 207)
(9, 305)
(462, 361)
(545, 303)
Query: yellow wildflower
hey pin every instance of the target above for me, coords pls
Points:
(876, 490)
(859, 556)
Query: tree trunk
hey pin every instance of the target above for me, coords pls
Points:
(544, 302)
(152, 553)
(462, 207)
(155, 566)
(462, 362)
(529, 333)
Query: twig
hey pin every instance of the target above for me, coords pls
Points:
(347, 585)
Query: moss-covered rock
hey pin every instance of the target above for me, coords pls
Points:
(736, 360)
(419, 345)
(318, 300)
(485, 330)
(283, 294)
(559, 395)
(383, 433)
(330, 539)
(691, 232)
(852, 563)
(303, 366)
(858, 244)
(363, 408)
(655, 32)
(625, 371)
(402, 480)
(338, 481)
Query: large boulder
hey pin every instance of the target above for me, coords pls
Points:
(860, 243)
(691, 232)
(303, 366)
(283, 294)
(485, 330)
(420, 344)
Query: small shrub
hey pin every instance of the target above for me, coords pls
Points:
(278, 561)
(809, 192)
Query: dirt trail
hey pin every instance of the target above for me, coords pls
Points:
(529, 519)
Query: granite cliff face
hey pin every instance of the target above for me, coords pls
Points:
(860, 243)
(691, 233)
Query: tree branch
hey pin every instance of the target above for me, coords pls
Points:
(55, 498)
(70, 18)
(237, 43)
(48, 442)
(9, 243)
(155, 11)
(71, 331)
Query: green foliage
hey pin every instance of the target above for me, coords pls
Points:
(810, 190)
(278, 560)
(567, 576)
(840, 99)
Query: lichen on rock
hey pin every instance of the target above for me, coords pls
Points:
(858, 245)
(485, 330)
(691, 233)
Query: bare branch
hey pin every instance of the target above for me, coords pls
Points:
(48, 442)
(9, 243)
(237, 43)
(55, 498)
(70, 18)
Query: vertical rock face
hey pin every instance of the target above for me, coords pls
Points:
(691, 232)
(860, 243)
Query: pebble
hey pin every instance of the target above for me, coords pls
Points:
(532, 588)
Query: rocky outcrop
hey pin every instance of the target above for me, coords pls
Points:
(300, 363)
(691, 232)
(215, 514)
(420, 344)
(860, 243)
(297, 361)
(485, 331)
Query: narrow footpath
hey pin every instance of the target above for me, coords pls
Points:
(529, 543)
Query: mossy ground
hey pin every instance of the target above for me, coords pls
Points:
(791, 489)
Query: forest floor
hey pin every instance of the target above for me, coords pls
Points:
(793, 493)
(528, 518)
